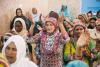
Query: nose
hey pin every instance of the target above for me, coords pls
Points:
(79, 30)
(9, 52)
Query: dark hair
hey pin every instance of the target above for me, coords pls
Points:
(97, 13)
(18, 21)
(92, 19)
(53, 14)
(20, 10)
(89, 12)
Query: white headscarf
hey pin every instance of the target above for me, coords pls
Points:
(21, 60)
(22, 21)
(23, 31)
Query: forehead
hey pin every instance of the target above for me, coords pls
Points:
(19, 10)
(18, 22)
(12, 45)
(79, 26)
(34, 9)
(49, 22)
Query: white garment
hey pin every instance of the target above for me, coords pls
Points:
(21, 60)
(24, 31)
(94, 33)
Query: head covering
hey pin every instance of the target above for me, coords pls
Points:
(21, 59)
(6, 37)
(23, 31)
(54, 15)
(84, 17)
(77, 63)
(78, 22)
(52, 20)
(22, 21)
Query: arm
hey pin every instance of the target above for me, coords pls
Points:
(31, 30)
(61, 26)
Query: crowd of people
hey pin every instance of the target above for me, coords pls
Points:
(55, 40)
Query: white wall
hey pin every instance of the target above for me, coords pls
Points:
(8, 7)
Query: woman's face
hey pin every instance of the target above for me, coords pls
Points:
(79, 30)
(89, 15)
(98, 27)
(49, 27)
(11, 53)
(18, 26)
(98, 15)
(81, 18)
(19, 13)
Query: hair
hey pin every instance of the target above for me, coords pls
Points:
(1, 43)
(20, 10)
(97, 13)
(18, 21)
(92, 19)
(89, 12)
(53, 14)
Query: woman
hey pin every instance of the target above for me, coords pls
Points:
(19, 14)
(15, 52)
(81, 46)
(19, 28)
(51, 43)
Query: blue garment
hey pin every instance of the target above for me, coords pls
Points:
(76, 63)
(36, 17)
(66, 12)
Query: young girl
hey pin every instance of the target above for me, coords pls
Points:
(51, 43)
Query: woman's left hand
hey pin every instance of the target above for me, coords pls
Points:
(61, 20)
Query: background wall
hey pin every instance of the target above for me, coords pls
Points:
(8, 7)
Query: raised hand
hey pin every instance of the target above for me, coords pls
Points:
(61, 19)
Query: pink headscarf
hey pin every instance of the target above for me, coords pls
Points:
(78, 22)
(52, 20)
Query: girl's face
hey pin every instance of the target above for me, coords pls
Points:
(49, 27)
(79, 30)
(18, 26)
(11, 53)
(34, 11)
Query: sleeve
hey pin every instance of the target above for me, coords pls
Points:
(37, 37)
(64, 39)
